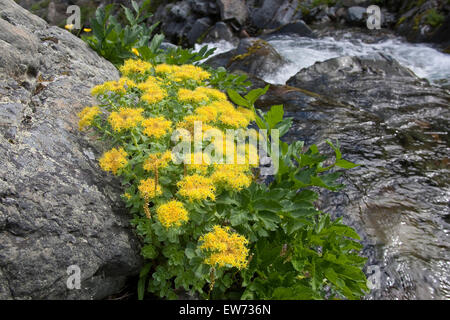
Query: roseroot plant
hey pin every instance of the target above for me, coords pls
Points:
(209, 226)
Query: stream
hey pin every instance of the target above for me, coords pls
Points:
(398, 200)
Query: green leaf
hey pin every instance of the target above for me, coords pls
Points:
(237, 98)
(346, 164)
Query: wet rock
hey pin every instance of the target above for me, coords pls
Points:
(198, 30)
(357, 80)
(356, 15)
(298, 28)
(254, 56)
(271, 14)
(233, 10)
(220, 31)
(395, 126)
(56, 206)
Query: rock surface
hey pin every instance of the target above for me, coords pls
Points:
(253, 56)
(395, 126)
(56, 206)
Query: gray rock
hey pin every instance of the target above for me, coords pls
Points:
(253, 56)
(360, 81)
(220, 31)
(199, 28)
(299, 28)
(233, 10)
(356, 14)
(275, 13)
(56, 206)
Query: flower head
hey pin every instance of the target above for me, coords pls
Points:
(225, 248)
(197, 187)
(113, 160)
(172, 214)
(156, 161)
(156, 127)
(149, 189)
(231, 176)
(132, 66)
(87, 116)
(126, 118)
(186, 95)
(119, 87)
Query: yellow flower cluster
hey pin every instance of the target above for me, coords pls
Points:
(126, 118)
(226, 248)
(152, 91)
(156, 127)
(182, 73)
(113, 160)
(131, 66)
(156, 161)
(119, 86)
(149, 189)
(172, 214)
(231, 176)
(197, 187)
(198, 162)
(200, 94)
(186, 95)
(87, 116)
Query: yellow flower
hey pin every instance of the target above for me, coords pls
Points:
(196, 187)
(189, 72)
(172, 214)
(119, 86)
(165, 68)
(212, 93)
(149, 189)
(113, 160)
(87, 115)
(186, 95)
(152, 92)
(156, 127)
(87, 29)
(226, 248)
(69, 27)
(198, 162)
(132, 66)
(234, 119)
(207, 113)
(135, 51)
(231, 176)
(157, 161)
(126, 118)
(247, 113)
(127, 195)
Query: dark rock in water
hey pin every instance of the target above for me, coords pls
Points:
(395, 126)
(357, 80)
(253, 56)
(220, 31)
(233, 10)
(299, 28)
(271, 14)
(356, 15)
(57, 208)
(199, 29)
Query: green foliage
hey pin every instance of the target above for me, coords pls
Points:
(115, 42)
(434, 18)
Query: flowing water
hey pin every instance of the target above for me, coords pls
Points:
(398, 200)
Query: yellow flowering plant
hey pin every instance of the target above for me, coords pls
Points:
(204, 222)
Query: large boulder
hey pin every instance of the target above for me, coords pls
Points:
(57, 208)
(271, 14)
(233, 10)
(362, 81)
(253, 56)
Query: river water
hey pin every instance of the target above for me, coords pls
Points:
(398, 200)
